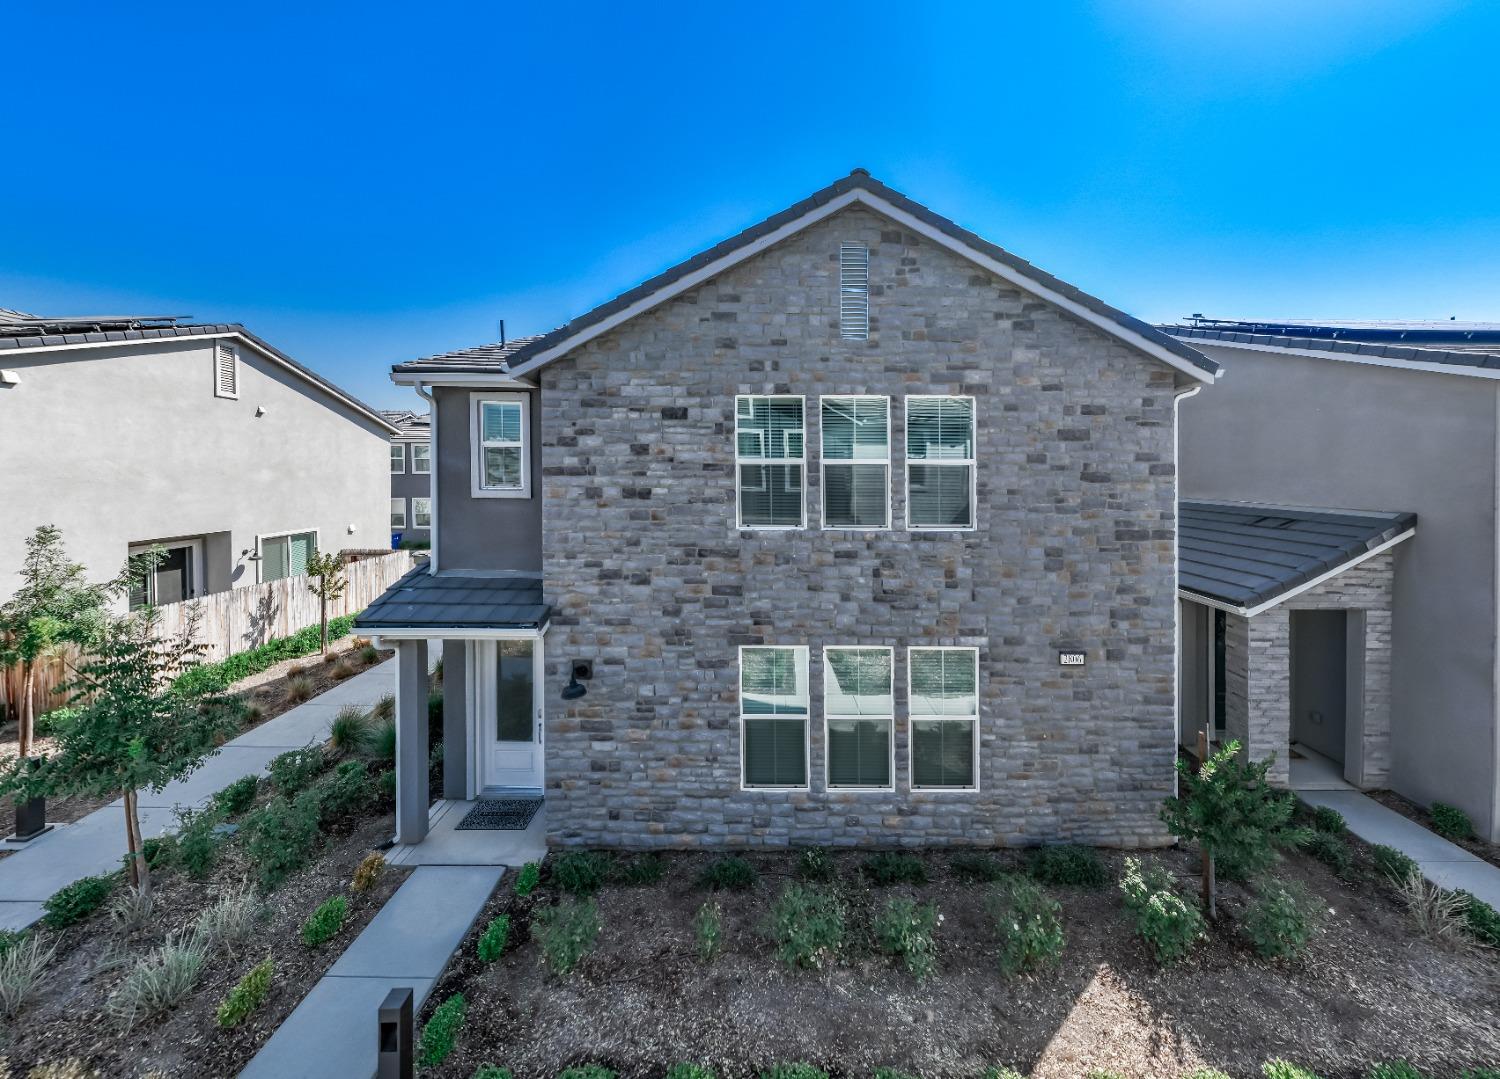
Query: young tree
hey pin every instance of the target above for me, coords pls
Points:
(326, 581)
(52, 607)
(1229, 810)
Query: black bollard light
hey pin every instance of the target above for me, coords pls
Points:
(31, 813)
(395, 1057)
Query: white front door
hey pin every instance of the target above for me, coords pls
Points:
(509, 714)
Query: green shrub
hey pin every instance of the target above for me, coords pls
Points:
(1164, 920)
(281, 836)
(985, 868)
(435, 709)
(50, 723)
(232, 920)
(197, 843)
(815, 864)
(1281, 920)
(638, 870)
(690, 1071)
(1001, 1073)
(246, 996)
(586, 1071)
(491, 1071)
(237, 797)
(493, 940)
(793, 1071)
(369, 654)
(159, 981)
(385, 783)
(22, 965)
(296, 768)
(1206, 1073)
(343, 791)
(217, 677)
(9, 938)
(527, 879)
(708, 930)
(160, 851)
(325, 922)
(1398, 1069)
(894, 1073)
(351, 731)
(1069, 864)
(904, 929)
(1332, 850)
(74, 902)
(895, 867)
(1028, 925)
(1450, 821)
(1480, 919)
(1328, 819)
(727, 873)
(383, 742)
(367, 874)
(582, 872)
(807, 924)
(566, 933)
(1479, 1073)
(440, 1033)
(1393, 864)
(1285, 1069)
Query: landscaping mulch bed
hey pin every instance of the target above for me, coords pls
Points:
(1413, 811)
(1369, 989)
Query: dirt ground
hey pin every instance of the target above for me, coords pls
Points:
(1368, 990)
(1412, 811)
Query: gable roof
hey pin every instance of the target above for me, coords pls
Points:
(858, 187)
(1349, 346)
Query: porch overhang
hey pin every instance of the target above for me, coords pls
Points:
(456, 604)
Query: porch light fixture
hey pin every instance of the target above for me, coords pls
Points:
(575, 689)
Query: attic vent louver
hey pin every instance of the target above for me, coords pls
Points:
(226, 371)
(854, 292)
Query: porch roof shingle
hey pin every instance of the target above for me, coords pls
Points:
(423, 600)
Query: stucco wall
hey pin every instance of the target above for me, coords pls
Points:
(650, 579)
(482, 533)
(120, 445)
(408, 485)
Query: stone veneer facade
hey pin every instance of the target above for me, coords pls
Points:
(1257, 671)
(650, 579)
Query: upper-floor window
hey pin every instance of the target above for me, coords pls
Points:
(854, 292)
(944, 704)
(421, 458)
(502, 462)
(940, 462)
(421, 513)
(770, 461)
(226, 371)
(773, 716)
(398, 458)
(856, 433)
(859, 711)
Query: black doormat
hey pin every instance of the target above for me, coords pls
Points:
(500, 815)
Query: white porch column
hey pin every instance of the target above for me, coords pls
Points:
(411, 741)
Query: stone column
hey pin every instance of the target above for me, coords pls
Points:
(411, 741)
(455, 720)
(1375, 705)
(1269, 693)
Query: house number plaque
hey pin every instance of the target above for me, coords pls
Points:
(1071, 659)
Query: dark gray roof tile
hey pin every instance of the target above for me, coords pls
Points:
(422, 600)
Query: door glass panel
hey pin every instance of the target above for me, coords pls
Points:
(514, 678)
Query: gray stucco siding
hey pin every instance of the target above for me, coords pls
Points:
(649, 577)
(482, 533)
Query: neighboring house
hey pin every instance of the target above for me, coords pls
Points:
(852, 529)
(411, 478)
(133, 432)
(1352, 605)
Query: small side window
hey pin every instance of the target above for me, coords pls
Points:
(398, 513)
(226, 371)
(502, 461)
(421, 458)
(398, 458)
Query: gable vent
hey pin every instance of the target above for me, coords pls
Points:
(854, 292)
(226, 372)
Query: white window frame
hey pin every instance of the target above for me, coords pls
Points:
(824, 462)
(261, 537)
(739, 692)
(398, 451)
(416, 523)
(912, 719)
(477, 489)
(195, 552)
(972, 461)
(739, 515)
(399, 504)
(415, 471)
(891, 719)
(233, 392)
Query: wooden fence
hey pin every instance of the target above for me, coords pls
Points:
(238, 619)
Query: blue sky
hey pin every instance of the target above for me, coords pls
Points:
(370, 182)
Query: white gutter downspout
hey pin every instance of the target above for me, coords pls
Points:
(1177, 400)
(432, 476)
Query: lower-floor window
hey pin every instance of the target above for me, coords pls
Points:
(944, 703)
(398, 513)
(286, 556)
(773, 716)
(859, 710)
(421, 513)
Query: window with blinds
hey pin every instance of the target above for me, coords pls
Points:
(773, 716)
(854, 292)
(943, 699)
(940, 462)
(770, 461)
(287, 556)
(502, 465)
(856, 462)
(859, 710)
(226, 371)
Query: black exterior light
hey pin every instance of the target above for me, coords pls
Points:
(575, 689)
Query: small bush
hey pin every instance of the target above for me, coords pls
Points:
(281, 836)
(729, 872)
(1437, 914)
(435, 709)
(493, 940)
(807, 924)
(231, 921)
(440, 1033)
(1164, 920)
(246, 996)
(904, 929)
(130, 910)
(343, 669)
(342, 792)
(793, 1071)
(299, 688)
(197, 843)
(1069, 864)
(690, 1071)
(1281, 920)
(1332, 850)
(1285, 1069)
(1392, 864)
(383, 742)
(367, 873)
(54, 722)
(351, 731)
(1206, 1073)
(251, 713)
(708, 930)
(1481, 920)
(74, 902)
(1028, 925)
(237, 797)
(566, 933)
(895, 867)
(586, 1071)
(893, 1073)
(984, 868)
(160, 851)
(160, 981)
(1450, 821)
(22, 965)
(1330, 820)
(815, 864)
(325, 922)
(527, 879)
(385, 784)
(295, 769)
(582, 872)
(384, 710)
(369, 654)
(491, 1071)
(1398, 1069)
(638, 870)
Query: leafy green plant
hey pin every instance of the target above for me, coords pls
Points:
(728, 873)
(74, 902)
(491, 1071)
(343, 791)
(493, 940)
(1164, 920)
(351, 731)
(9, 938)
(807, 924)
(566, 933)
(1481, 919)
(369, 871)
(325, 922)
(708, 930)
(230, 921)
(22, 966)
(383, 742)
(1450, 821)
(894, 1073)
(1068, 864)
(1281, 920)
(1206, 1073)
(246, 996)
(815, 864)
(976, 866)
(527, 879)
(1328, 819)
(216, 677)
(1398, 1069)
(295, 769)
(1396, 866)
(1332, 850)
(440, 1032)
(1001, 1073)
(690, 1071)
(793, 1071)
(638, 870)
(281, 836)
(1028, 925)
(159, 981)
(581, 872)
(54, 722)
(904, 929)
(197, 842)
(369, 654)
(894, 867)
(1285, 1069)
(326, 579)
(586, 1071)
(237, 797)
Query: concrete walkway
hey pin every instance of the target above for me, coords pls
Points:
(96, 843)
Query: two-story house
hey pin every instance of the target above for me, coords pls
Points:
(852, 529)
(411, 478)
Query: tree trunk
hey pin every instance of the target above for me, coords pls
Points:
(323, 615)
(140, 873)
(1210, 905)
(25, 721)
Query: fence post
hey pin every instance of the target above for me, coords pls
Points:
(395, 1059)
